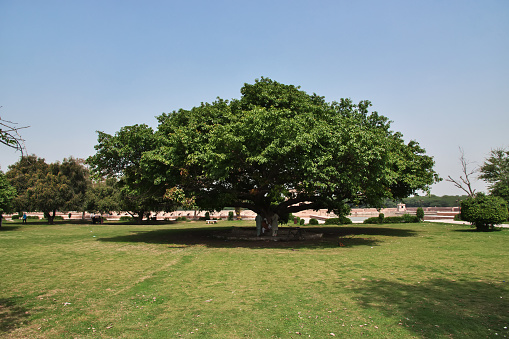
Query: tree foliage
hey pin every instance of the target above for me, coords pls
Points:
(7, 194)
(119, 157)
(48, 187)
(103, 197)
(495, 171)
(484, 211)
(280, 150)
(21, 175)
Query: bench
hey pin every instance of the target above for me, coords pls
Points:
(211, 221)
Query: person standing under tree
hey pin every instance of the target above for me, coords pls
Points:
(24, 218)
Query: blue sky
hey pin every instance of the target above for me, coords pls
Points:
(438, 69)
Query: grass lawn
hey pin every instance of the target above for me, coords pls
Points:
(423, 280)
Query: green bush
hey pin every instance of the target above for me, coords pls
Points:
(408, 218)
(338, 221)
(457, 217)
(126, 218)
(420, 213)
(313, 221)
(484, 211)
(15, 217)
(405, 218)
(373, 220)
(207, 215)
(393, 220)
(230, 215)
(381, 217)
(301, 222)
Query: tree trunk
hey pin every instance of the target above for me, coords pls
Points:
(1, 218)
(139, 218)
(51, 218)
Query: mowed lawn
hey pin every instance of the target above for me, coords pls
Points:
(168, 281)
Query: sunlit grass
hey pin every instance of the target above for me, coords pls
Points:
(161, 281)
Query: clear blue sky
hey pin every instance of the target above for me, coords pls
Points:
(438, 69)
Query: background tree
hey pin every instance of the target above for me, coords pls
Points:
(48, 187)
(50, 191)
(433, 201)
(484, 211)
(281, 150)
(103, 197)
(21, 176)
(79, 177)
(495, 171)
(7, 194)
(119, 156)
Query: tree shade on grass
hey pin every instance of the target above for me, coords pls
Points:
(425, 280)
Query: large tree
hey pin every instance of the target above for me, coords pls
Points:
(495, 171)
(7, 194)
(279, 150)
(119, 157)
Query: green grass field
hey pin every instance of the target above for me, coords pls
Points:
(168, 281)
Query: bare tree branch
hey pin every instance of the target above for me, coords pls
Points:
(464, 182)
(10, 137)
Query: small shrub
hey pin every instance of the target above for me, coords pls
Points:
(313, 221)
(420, 213)
(338, 221)
(301, 222)
(207, 216)
(15, 217)
(484, 211)
(126, 218)
(230, 215)
(457, 217)
(58, 217)
(381, 217)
